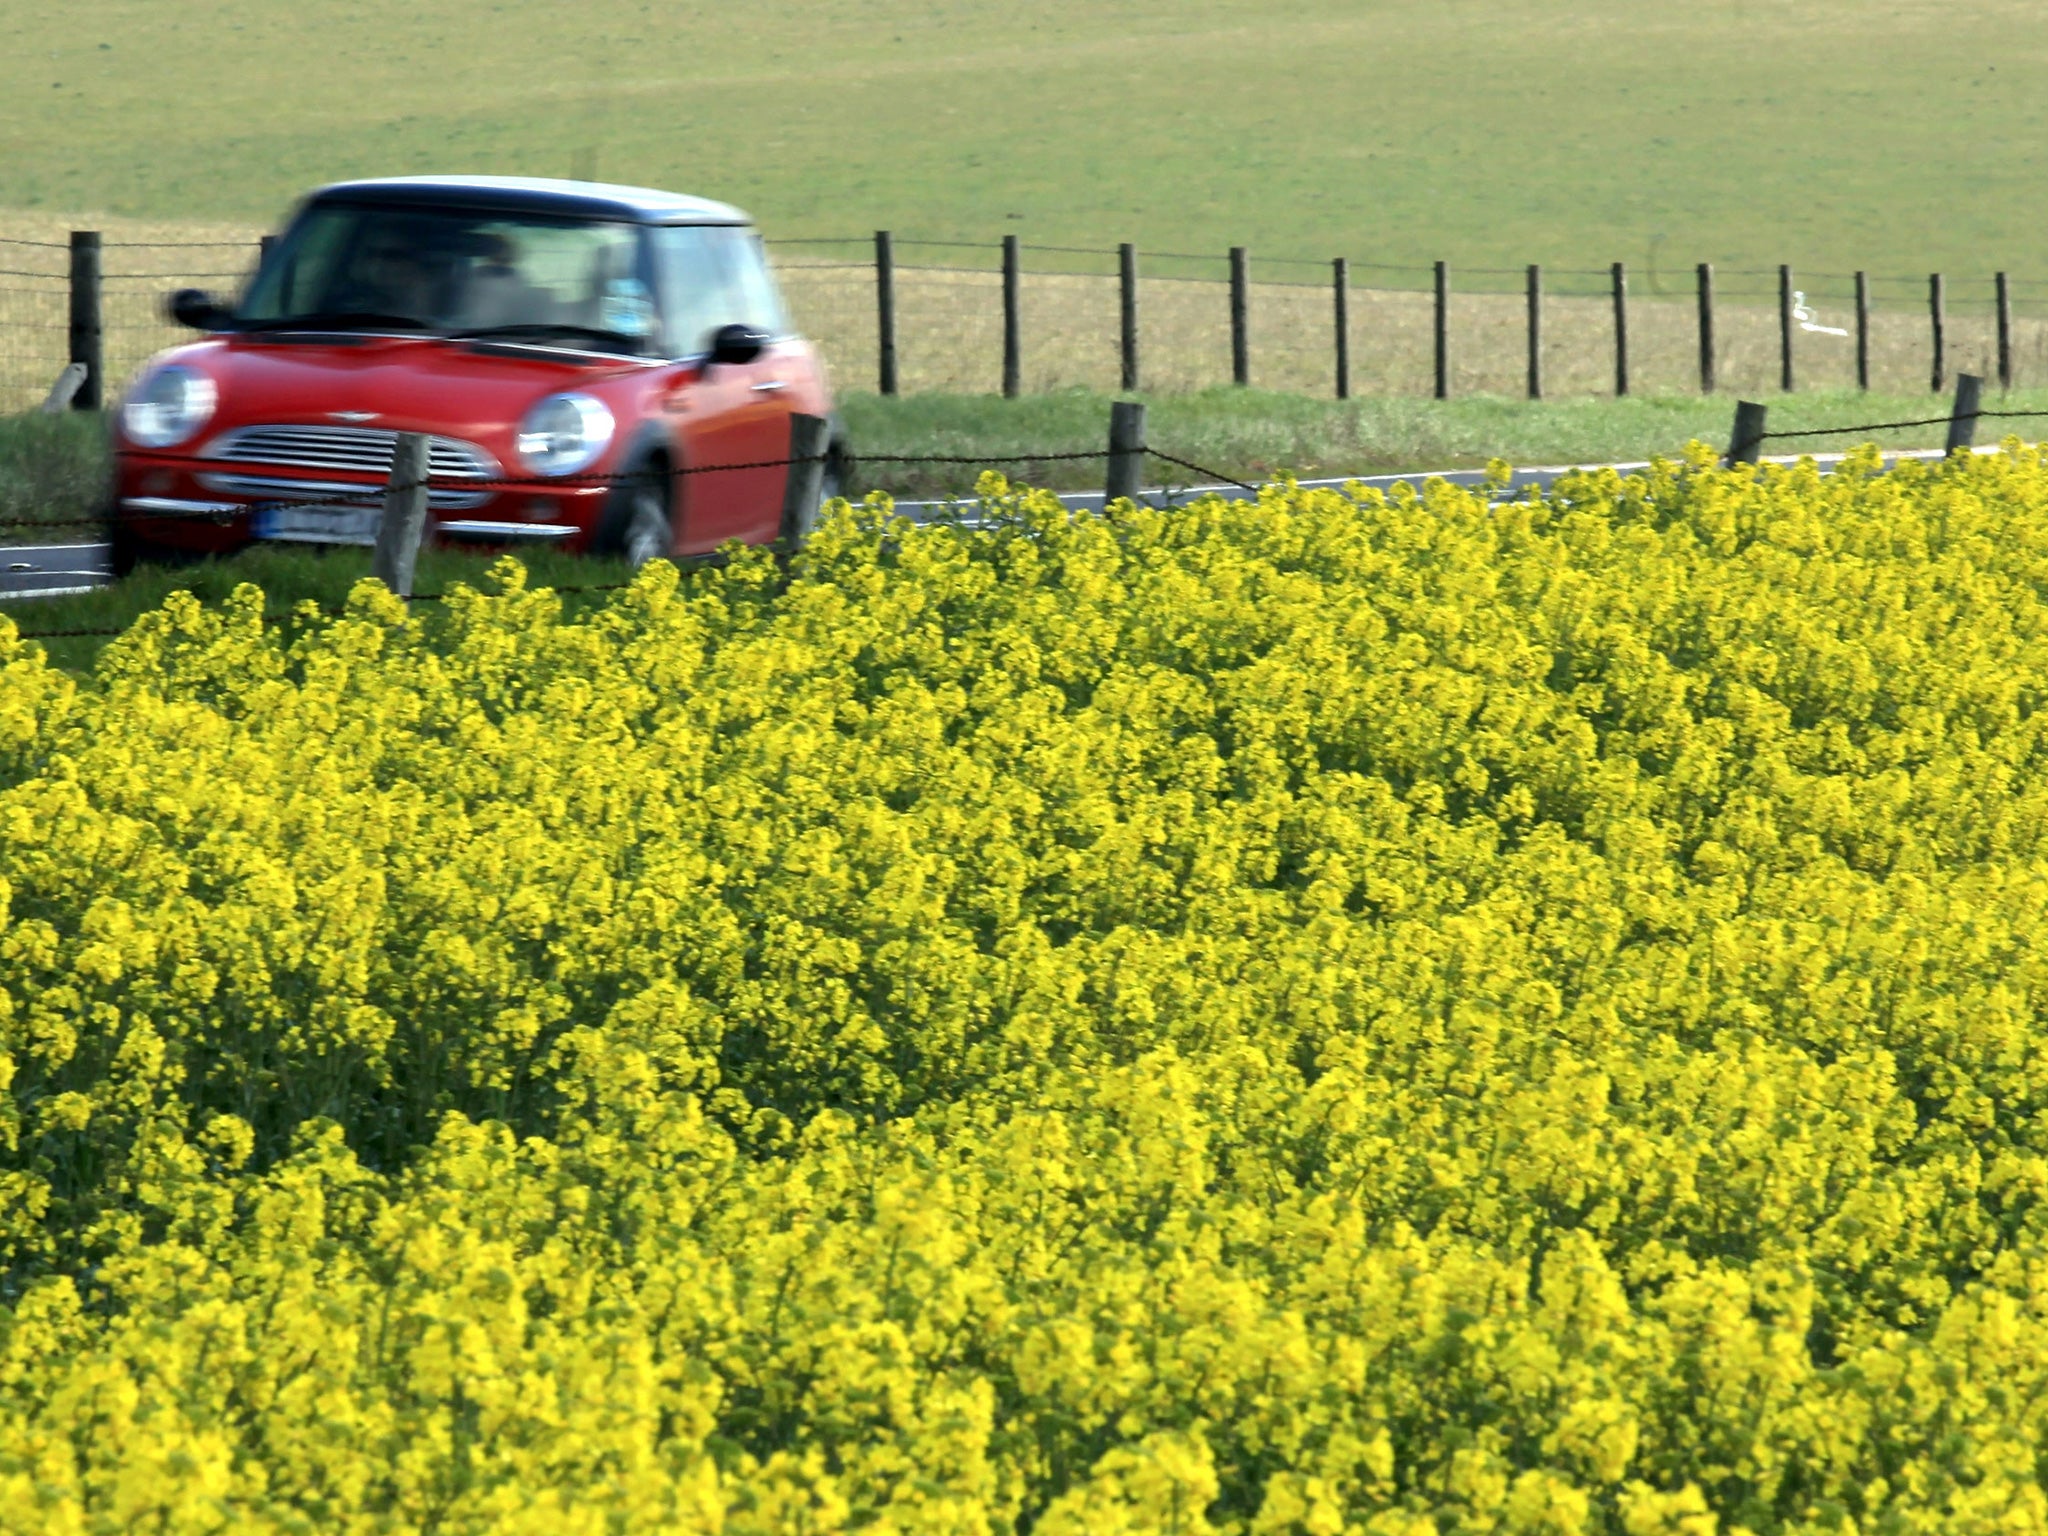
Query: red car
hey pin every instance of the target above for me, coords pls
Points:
(608, 348)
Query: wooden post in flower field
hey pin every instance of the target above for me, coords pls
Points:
(1962, 416)
(1706, 290)
(2004, 332)
(1785, 329)
(810, 439)
(1937, 314)
(1240, 317)
(1340, 295)
(1442, 330)
(1535, 332)
(1127, 311)
(405, 515)
(1619, 278)
(87, 335)
(1863, 331)
(885, 308)
(1013, 340)
(1746, 446)
(1126, 452)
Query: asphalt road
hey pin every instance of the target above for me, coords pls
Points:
(50, 570)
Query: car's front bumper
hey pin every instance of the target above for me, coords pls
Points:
(209, 508)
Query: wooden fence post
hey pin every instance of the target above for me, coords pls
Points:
(1443, 330)
(1620, 281)
(1240, 317)
(1340, 297)
(1126, 452)
(1013, 340)
(804, 488)
(265, 244)
(1746, 446)
(1785, 329)
(2004, 333)
(1706, 287)
(404, 523)
(1535, 303)
(88, 338)
(1962, 416)
(885, 308)
(1863, 331)
(1937, 312)
(1127, 311)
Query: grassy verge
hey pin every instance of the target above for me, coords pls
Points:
(53, 470)
(288, 575)
(1248, 433)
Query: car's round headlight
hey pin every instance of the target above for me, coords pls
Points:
(564, 433)
(167, 406)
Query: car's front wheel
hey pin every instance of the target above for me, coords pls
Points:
(649, 534)
(638, 526)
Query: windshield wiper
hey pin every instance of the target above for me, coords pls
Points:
(337, 320)
(614, 341)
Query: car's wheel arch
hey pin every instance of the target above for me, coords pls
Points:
(650, 454)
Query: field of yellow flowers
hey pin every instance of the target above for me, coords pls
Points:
(1349, 1013)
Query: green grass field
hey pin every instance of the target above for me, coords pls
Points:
(52, 468)
(1836, 134)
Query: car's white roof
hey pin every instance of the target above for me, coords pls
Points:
(598, 199)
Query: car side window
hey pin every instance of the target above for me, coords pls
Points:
(304, 268)
(711, 276)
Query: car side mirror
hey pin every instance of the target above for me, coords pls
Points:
(737, 343)
(197, 308)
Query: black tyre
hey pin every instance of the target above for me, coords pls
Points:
(126, 550)
(639, 526)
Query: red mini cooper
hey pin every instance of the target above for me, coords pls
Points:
(583, 358)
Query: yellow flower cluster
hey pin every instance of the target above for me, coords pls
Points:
(1349, 1013)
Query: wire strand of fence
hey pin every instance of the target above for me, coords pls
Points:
(1210, 474)
(1071, 250)
(323, 610)
(1900, 426)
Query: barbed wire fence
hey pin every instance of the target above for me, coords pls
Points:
(915, 316)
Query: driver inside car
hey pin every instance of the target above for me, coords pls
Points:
(389, 276)
(495, 292)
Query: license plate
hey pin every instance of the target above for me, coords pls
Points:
(311, 523)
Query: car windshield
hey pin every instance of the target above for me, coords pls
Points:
(565, 281)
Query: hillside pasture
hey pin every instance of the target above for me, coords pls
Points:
(1834, 134)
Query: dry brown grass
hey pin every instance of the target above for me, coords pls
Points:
(142, 260)
(949, 337)
(950, 327)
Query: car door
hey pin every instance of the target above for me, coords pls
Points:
(731, 419)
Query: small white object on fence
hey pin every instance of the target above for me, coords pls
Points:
(68, 384)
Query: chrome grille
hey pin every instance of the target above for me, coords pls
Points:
(364, 450)
(281, 488)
